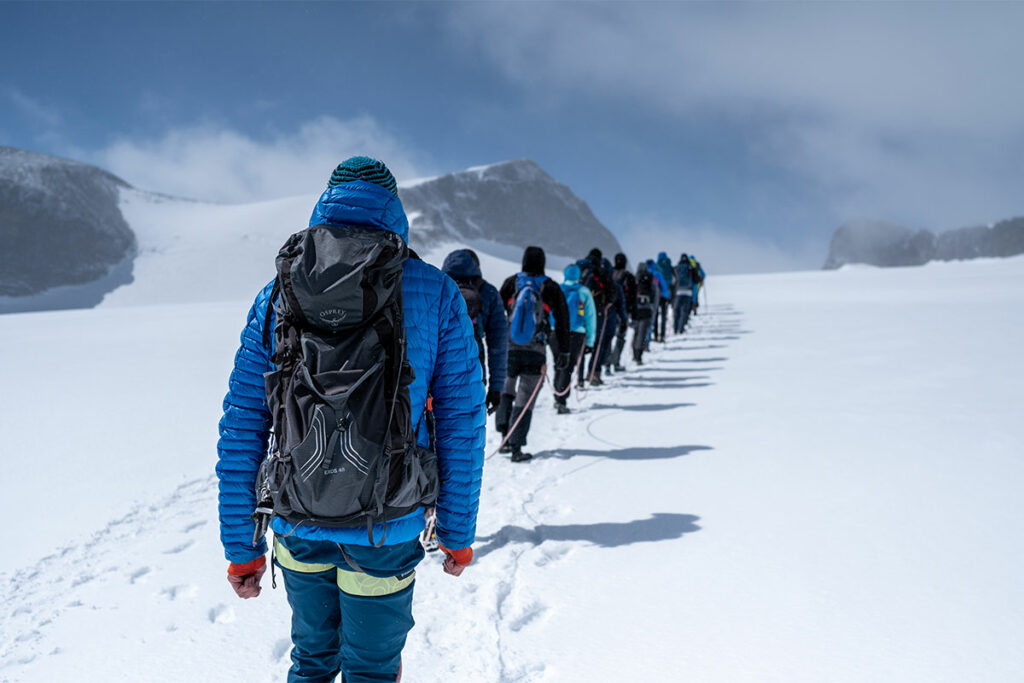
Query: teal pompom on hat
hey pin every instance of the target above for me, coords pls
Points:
(364, 168)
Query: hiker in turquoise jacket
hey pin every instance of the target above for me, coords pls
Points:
(582, 333)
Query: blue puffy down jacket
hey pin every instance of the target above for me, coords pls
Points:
(443, 353)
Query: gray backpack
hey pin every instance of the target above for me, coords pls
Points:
(343, 452)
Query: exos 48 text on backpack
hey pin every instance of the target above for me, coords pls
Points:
(527, 323)
(344, 453)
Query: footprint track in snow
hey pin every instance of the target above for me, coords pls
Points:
(533, 612)
(180, 548)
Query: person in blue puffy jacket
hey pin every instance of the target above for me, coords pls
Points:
(352, 601)
(490, 324)
(663, 293)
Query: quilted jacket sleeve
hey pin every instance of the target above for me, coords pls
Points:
(496, 330)
(244, 430)
(460, 418)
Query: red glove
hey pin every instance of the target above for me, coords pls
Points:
(245, 578)
(456, 560)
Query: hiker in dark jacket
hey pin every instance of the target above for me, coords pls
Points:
(526, 362)
(616, 314)
(668, 276)
(684, 287)
(625, 279)
(489, 322)
(599, 281)
(351, 599)
(647, 295)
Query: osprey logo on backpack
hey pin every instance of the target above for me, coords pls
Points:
(527, 322)
(332, 317)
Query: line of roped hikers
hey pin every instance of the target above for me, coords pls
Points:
(355, 419)
(583, 321)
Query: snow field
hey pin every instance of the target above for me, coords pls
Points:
(818, 482)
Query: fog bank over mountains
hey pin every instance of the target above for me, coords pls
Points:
(884, 244)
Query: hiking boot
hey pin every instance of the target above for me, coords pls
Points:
(596, 382)
(505, 449)
(519, 456)
(562, 409)
(620, 368)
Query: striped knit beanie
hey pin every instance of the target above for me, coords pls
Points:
(364, 168)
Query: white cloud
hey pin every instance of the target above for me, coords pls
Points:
(909, 111)
(720, 251)
(216, 163)
(39, 114)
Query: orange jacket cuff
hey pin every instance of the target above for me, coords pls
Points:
(463, 556)
(247, 568)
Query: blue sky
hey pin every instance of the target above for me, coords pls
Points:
(744, 132)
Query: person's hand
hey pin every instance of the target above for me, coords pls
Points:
(562, 362)
(456, 560)
(245, 578)
(493, 399)
(588, 350)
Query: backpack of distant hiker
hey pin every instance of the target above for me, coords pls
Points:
(343, 451)
(644, 294)
(592, 280)
(527, 320)
(695, 272)
(474, 304)
(577, 312)
(684, 275)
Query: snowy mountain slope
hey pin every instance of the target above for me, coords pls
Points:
(199, 252)
(819, 482)
(502, 208)
(77, 236)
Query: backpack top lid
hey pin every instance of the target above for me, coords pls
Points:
(339, 277)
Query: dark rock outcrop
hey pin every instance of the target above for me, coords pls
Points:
(61, 227)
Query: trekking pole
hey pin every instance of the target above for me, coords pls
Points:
(529, 404)
(600, 341)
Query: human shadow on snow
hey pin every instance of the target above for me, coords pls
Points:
(663, 383)
(717, 359)
(642, 408)
(661, 526)
(631, 453)
(638, 372)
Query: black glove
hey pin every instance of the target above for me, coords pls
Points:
(493, 399)
(563, 361)
(589, 349)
